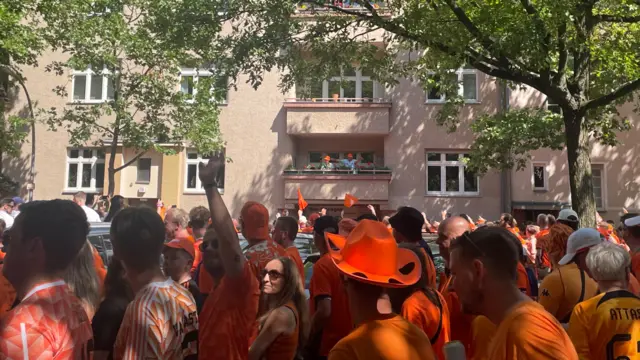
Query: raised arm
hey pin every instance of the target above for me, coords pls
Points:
(221, 221)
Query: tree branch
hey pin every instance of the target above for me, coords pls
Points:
(612, 96)
(135, 158)
(616, 18)
(564, 54)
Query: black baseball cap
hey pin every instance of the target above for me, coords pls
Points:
(408, 221)
(326, 224)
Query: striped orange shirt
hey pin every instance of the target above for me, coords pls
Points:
(160, 323)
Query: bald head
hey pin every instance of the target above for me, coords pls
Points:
(448, 230)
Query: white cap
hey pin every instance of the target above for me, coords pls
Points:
(631, 222)
(565, 214)
(581, 239)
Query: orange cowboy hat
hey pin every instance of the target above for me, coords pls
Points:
(371, 255)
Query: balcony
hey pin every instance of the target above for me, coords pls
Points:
(315, 8)
(326, 186)
(331, 116)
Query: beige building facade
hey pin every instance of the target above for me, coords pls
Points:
(276, 142)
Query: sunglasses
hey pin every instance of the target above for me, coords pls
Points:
(467, 238)
(273, 274)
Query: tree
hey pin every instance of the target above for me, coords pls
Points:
(21, 41)
(582, 54)
(130, 92)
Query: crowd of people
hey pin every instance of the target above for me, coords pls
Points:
(180, 286)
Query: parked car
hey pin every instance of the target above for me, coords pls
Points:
(100, 239)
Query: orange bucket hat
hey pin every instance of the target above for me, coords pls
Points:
(371, 255)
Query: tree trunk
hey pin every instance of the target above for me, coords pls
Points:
(112, 161)
(578, 156)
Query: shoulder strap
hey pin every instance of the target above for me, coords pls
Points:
(439, 329)
(583, 285)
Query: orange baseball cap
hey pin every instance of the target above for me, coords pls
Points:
(371, 255)
(328, 158)
(349, 155)
(183, 244)
(255, 221)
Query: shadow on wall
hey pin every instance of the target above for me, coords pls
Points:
(16, 168)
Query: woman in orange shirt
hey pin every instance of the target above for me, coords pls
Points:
(424, 306)
(283, 326)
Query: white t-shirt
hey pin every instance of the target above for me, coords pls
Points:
(8, 219)
(92, 215)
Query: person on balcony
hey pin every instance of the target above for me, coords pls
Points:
(326, 163)
(350, 162)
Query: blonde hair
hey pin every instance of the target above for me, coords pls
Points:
(180, 217)
(608, 262)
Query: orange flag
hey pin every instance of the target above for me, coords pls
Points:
(302, 204)
(350, 200)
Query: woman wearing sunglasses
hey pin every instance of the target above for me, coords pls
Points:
(283, 325)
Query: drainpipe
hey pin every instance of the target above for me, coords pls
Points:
(505, 176)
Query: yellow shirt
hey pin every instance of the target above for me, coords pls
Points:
(392, 338)
(483, 331)
(528, 332)
(607, 327)
(560, 291)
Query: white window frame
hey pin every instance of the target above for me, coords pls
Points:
(196, 74)
(460, 74)
(544, 166)
(138, 181)
(358, 78)
(198, 189)
(80, 160)
(443, 164)
(89, 74)
(553, 107)
(603, 184)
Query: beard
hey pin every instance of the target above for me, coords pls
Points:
(472, 304)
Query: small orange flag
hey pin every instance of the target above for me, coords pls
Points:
(302, 204)
(350, 200)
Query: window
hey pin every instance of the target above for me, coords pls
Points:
(192, 182)
(144, 171)
(354, 85)
(540, 177)
(189, 78)
(468, 86)
(553, 107)
(85, 170)
(597, 177)
(92, 87)
(315, 157)
(447, 175)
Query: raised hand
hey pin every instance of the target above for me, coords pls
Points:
(323, 212)
(211, 173)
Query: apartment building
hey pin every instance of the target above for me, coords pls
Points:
(276, 142)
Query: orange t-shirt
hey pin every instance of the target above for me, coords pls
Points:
(326, 281)
(541, 236)
(197, 258)
(228, 318)
(259, 255)
(99, 265)
(483, 331)
(7, 295)
(431, 270)
(523, 280)
(528, 331)
(460, 322)
(430, 318)
(294, 254)
(634, 285)
(390, 338)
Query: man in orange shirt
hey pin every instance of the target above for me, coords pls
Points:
(199, 218)
(254, 220)
(285, 234)
(328, 304)
(484, 263)
(407, 226)
(371, 262)
(176, 222)
(228, 317)
(631, 234)
(542, 258)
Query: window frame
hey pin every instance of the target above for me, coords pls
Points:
(138, 181)
(544, 165)
(603, 184)
(81, 161)
(198, 189)
(358, 78)
(553, 107)
(460, 74)
(89, 74)
(196, 73)
(443, 164)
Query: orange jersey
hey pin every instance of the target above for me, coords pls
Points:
(430, 269)
(523, 280)
(483, 331)
(528, 331)
(160, 323)
(607, 326)
(563, 289)
(634, 285)
(198, 257)
(228, 318)
(260, 254)
(294, 255)
(540, 245)
(49, 323)
(7, 295)
(431, 318)
(101, 271)
(326, 282)
(391, 338)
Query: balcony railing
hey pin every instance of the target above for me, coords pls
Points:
(339, 100)
(360, 171)
(311, 7)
